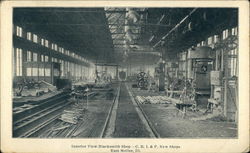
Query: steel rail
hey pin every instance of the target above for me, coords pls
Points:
(41, 105)
(38, 122)
(105, 127)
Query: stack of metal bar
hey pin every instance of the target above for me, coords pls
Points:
(153, 99)
(23, 108)
(74, 114)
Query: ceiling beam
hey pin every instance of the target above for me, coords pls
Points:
(175, 27)
(123, 11)
(123, 33)
(114, 23)
(96, 25)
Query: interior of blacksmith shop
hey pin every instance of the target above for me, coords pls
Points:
(125, 72)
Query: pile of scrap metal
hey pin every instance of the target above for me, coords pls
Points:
(153, 99)
(80, 91)
(32, 88)
(74, 114)
(102, 85)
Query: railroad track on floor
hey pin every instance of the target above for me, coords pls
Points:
(31, 125)
(144, 118)
(73, 131)
(26, 125)
(108, 129)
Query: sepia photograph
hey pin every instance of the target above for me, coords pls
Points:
(112, 73)
(125, 72)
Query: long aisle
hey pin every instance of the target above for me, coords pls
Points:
(128, 123)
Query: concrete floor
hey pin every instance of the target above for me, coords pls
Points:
(171, 125)
(165, 118)
(168, 121)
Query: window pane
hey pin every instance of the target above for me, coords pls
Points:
(42, 42)
(28, 56)
(35, 38)
(19, 31)
(42, 58)
(29, 71)
(29, 35)
(46, 43)
(46, 59)
(35, 71)
(62, 67)
(56, 47)
(35, 57)
(225, 34)
(17, 62)
(21, 63)
(16, 30)
(41, 72)
(47, 71)
(210, 40)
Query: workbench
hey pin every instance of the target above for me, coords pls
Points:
(182, 105)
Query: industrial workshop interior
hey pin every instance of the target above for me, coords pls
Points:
(106, 72)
